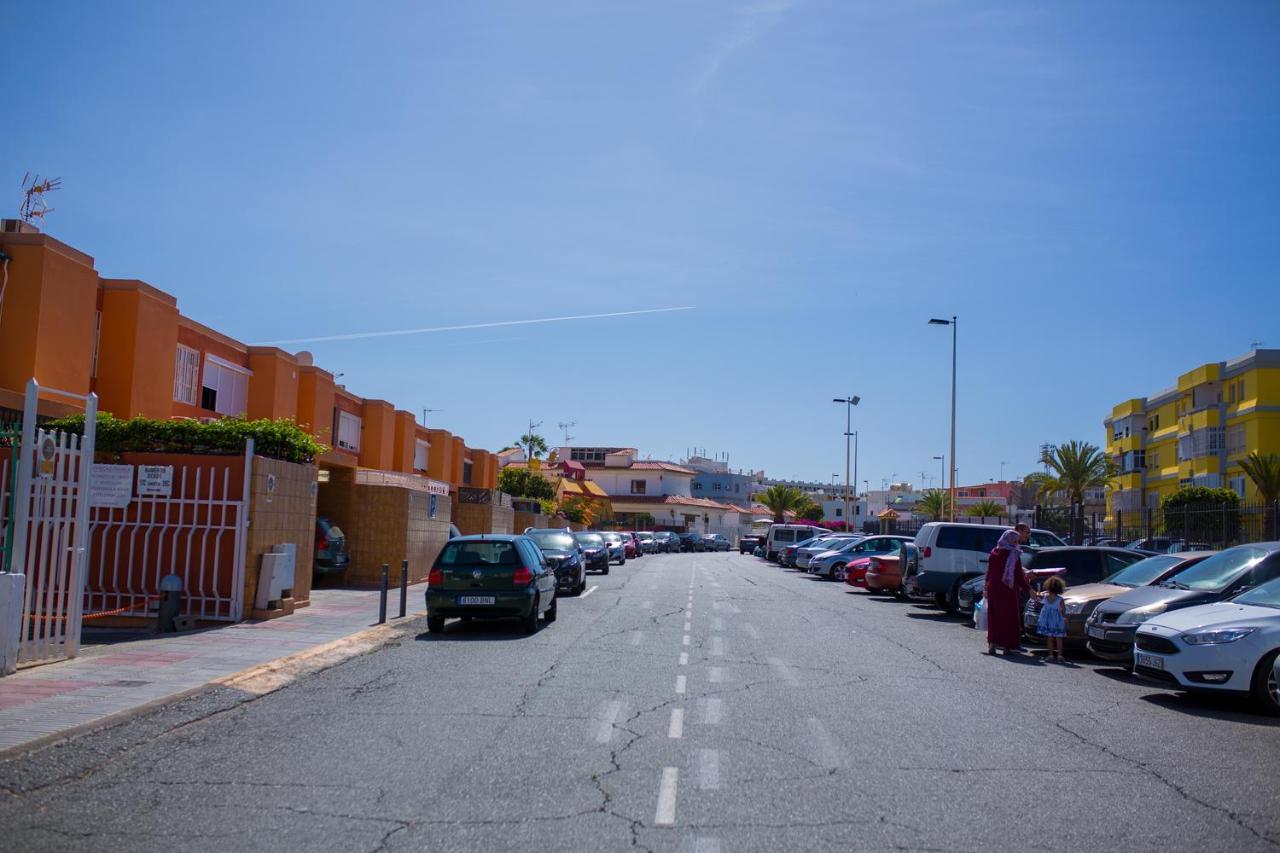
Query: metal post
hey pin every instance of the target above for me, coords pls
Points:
(847, 521)
(848, 425)
(404, 586)
(953, 417)
(382, 599)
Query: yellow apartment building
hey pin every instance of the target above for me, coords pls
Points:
(1196, 432)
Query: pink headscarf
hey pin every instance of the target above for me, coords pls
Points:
(1012, 541)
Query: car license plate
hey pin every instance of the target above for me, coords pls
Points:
(1150, 661)
(1097, 633)
(476, 599)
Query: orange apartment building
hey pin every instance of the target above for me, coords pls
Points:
(71, 329)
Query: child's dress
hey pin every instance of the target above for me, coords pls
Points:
(1052, 623)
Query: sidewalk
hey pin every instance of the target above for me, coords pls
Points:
(109, 679)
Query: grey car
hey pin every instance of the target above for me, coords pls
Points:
(804, 556)
(715, 542)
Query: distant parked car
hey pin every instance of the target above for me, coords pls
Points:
(856, 556)
(563, 555)
(748, 544)
(630, 546)
(782, 535)
(648, 544)
(884, 575)
(1114, 623)
(716, 542)
(818, 545)
(669, 541)
(617, 548)
(331, 555)
(595, 550)
(1232, 646)
(491, 576)
(1153, 545)
(691, 541)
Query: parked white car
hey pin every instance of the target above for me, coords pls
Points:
(953, 552)
(1231, 646)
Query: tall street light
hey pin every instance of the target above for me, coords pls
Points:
(849, 403)
(943, 472)
(952, 323)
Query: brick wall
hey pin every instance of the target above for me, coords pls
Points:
(284, 513)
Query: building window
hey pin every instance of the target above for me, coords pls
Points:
(420, 450)
(226, 387)
(839, 511)
(587, 455)
(715, 486)
(1235, 439)
(697, 487)
(737, 487)
(347, 430)
(1237, 485)
(466, 472)
(186, 375)
(638, 487)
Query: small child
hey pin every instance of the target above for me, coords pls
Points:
(1053, 622)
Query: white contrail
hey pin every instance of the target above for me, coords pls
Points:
(355, 336)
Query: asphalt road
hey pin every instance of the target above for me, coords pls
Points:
(689, 702)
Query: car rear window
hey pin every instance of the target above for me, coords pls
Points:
(591, 540)
(554, 540)
(784, 536)
(479, 554)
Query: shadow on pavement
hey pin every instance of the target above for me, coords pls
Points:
(478, 631)
(1224, 706)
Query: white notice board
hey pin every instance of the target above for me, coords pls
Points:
(110, 485)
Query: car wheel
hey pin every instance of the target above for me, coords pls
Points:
(530, 622)
(550, 615)
(605, 570)
(1266, 687)
(939, 599)
(622, 561)
(839, 572)
(582, 583)
(435, 624)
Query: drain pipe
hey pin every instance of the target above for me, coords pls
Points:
(4, 281)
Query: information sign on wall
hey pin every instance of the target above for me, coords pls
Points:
(111, 485)
(155, 480)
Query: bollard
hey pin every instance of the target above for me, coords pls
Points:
(170, 603)
(382, 599)
(404, 587)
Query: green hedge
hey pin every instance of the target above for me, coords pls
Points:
(281, 439)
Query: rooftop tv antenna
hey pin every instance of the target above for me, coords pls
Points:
(564, 425)
(1255, 345)
(35, 207)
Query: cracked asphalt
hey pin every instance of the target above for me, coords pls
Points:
(791, 713)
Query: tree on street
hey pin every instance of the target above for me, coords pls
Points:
(533, 445)
(934, 504)
(783, 499)
(986, 509)
(1073, 469)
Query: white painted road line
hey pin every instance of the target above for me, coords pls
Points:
(648, 605)
(785, 672)
(709, 769)
(688, 625)
(666, 813)
(590, 590)
(609, 714)
(717, 674)
(713, 712)
(717, 624)
(637, 637)
(715, 605)
(680, 683)
(676, 728)
(717, 645)
(825, 752)
(684, 658)
(751, 630)
(685, 641)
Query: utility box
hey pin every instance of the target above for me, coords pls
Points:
(275, 582)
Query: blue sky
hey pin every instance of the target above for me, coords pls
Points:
(1091, 187)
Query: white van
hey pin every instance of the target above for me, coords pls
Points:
(782, 535)
(952, 552)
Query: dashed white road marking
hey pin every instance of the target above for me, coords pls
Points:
(716, 605)
(666, 813)
(676, 727)
(609, 714)
(717, 624)
(590, 590)
(637, 637)
(752, 631)
(717, 645)
(709, 769)
(688, 625)
(684, 658)
(717, 674)
(680, 683)
(785, 672)
(826, 754)
(713, 711)
(685, 641)
(648, 605)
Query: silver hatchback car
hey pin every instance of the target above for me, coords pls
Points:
(715, 542)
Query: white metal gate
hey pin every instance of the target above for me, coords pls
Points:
(51, 525)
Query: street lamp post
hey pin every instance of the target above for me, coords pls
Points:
(943, 472)
(952, 323)
(849, 403)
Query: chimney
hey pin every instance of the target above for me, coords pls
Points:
(17, 226)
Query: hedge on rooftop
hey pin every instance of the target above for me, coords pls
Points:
(277, 439)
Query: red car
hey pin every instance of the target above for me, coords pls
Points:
(629, 544)
(883, 576)
(856, 572)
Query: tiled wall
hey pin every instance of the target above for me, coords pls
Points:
(285, 512)
(483, 518)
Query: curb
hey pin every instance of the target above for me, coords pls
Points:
(254, 681)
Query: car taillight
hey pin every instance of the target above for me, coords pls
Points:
(928, 552)
(435, 578)
(522, 577)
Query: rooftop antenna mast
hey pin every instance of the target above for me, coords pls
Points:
(34, 189)
(424, 414)
(564, 425)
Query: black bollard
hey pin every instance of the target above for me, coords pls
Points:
(404, 587)
(382, 599)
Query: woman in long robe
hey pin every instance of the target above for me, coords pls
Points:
(1006, 587)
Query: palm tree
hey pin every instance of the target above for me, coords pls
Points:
(1074, 468)
(934, 504)
(985, 509)
(1265, 473)
(783, 499)
(533, 445)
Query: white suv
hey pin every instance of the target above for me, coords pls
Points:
(953, 552)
